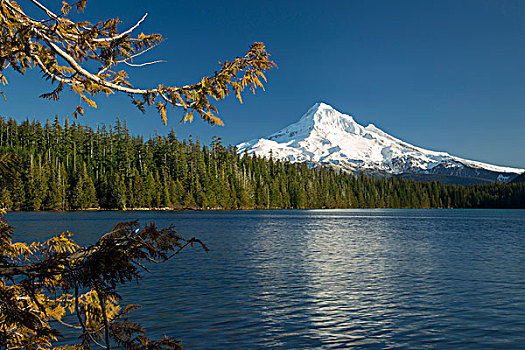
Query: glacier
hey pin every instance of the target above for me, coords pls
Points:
(325, 136)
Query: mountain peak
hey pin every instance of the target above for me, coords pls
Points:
(323, 117)
(317, 108)
(325, 135)
(321, 105)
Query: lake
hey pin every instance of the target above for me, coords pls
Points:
(306, 279)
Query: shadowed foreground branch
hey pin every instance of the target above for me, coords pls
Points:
(42, 282)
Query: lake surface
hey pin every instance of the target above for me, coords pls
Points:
(310, 279)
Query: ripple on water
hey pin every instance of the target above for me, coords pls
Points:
(329, 279)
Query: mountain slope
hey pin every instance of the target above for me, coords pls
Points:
(325, 136)
(520, 178)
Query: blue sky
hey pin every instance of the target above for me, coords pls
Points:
(444, 75)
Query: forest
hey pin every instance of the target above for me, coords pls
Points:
(68, 166)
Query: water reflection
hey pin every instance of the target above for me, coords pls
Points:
(331, 279)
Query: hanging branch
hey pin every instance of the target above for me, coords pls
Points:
(63, 49)
(60, 265)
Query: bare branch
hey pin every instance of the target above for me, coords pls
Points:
(129, 58)
(46, 71)
(143, 64)
(82, 71)
(121, 35)
(46, 10)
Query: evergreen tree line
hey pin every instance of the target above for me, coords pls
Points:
(70, 166)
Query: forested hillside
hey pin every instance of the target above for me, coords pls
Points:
(70, 166)
(520, 178)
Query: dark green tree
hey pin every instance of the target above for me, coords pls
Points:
(42, 281)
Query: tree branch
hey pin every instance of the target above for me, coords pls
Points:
(45, 9)
(129, 58)
(52, 15)
(143, 64)
(132, 241)
(121, 35)
(80, 45)
(82, 71)
(102, 299)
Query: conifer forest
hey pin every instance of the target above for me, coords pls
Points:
(67, 166)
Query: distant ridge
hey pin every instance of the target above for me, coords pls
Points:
(326, 136)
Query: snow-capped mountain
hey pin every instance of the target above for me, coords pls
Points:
(324, 135)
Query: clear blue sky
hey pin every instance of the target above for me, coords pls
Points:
(444, 75)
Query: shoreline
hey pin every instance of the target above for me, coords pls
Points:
(240, 209)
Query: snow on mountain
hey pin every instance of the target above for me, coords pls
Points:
(327, 136)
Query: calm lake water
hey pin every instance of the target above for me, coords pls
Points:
(327, 278)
